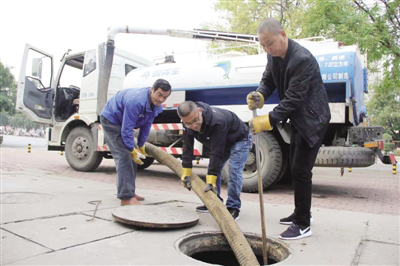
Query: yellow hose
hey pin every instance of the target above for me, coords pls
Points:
(239, 245)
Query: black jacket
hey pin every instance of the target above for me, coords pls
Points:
(220, 130)
(302, 94)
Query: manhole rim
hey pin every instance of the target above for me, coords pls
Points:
(46, 197)
(252, 235)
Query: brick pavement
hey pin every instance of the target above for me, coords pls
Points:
(372, 190)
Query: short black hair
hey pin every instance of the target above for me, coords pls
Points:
(186, 108)
(162, 84)
(271, 25)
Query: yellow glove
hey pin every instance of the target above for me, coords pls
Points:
(255, 100)
(211, 181)
(136, 156)
(143, 151)
(260, 123)
(186, 178)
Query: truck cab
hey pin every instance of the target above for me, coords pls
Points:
(69, 101)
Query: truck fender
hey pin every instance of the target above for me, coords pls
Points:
(285, 133)
(72, 122)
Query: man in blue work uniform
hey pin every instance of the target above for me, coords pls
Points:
(295, 73)
(227, 137)
(127, 110)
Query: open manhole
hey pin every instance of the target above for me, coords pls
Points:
(213, 248)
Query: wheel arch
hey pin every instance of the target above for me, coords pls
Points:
(73, 122)
(69, 127)
(271, 163)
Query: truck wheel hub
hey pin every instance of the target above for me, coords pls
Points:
(251, 159)
(80, 147)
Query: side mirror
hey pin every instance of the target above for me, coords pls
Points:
(37, 67)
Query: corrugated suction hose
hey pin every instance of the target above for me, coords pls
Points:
(239, 245)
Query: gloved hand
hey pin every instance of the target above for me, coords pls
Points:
(255, 100)
(211, 181)
(143, 151)
(136, 156)
(260, 123)
(186, 178)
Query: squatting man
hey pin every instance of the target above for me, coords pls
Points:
(227, 137)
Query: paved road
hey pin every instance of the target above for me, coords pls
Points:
(19, 142)
(371, 190)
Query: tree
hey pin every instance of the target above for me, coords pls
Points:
(244, 16)
(385, 106)
(4, 119)
(7, 90)
(385, 23)
(19, 120)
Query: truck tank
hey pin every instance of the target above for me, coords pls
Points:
(225, 82)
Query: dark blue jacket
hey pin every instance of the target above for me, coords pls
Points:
(130, 108)
(302, 94)
(220, 130)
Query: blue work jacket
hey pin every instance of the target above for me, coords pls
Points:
(130, 108)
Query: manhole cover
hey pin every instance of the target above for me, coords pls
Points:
(155, 216)
(23, 197)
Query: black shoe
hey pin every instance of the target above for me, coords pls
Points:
(234, 213)
(202, 208)
(289, 220)
(295, 231)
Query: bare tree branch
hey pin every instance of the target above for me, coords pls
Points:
(364, 8)
(386, 43)
(391, 11)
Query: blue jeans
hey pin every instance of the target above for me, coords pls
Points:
(126, 168)
(237, 157)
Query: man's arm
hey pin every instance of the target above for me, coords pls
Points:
(217, 149)
(267, 84)
(187, 154)
(129, 119)
(144, 133)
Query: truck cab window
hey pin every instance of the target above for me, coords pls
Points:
(38, 67)
(68, 90)
(90, 62)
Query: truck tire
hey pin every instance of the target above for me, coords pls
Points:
(146, 163)
(270, 161)
(80, 150)
(345, 157)
(284, 167)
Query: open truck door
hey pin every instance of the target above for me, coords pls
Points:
(35, 95)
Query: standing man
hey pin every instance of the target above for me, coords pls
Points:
(227, 137)
(294, 71)
(127, 110)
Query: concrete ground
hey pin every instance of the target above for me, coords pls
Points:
(44, 221)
